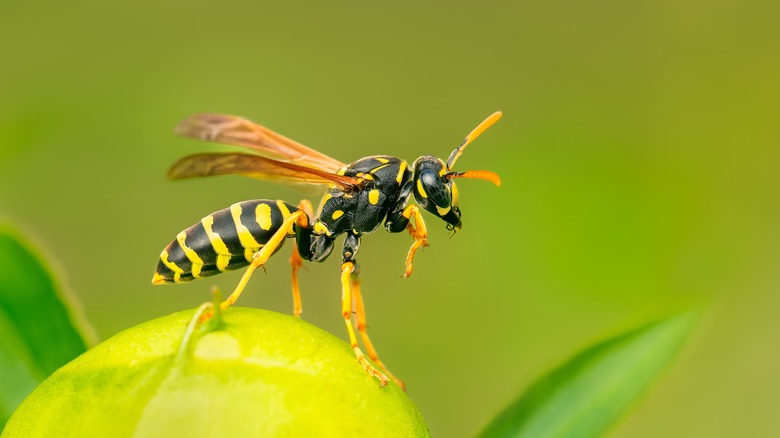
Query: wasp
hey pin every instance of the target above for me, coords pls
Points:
(358, 197)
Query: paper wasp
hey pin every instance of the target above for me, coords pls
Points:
(358, 197)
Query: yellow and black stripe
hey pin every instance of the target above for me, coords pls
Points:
(222, 241)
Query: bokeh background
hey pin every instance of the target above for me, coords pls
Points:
(638, 150)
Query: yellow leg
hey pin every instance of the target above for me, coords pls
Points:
(261, 257)
(420, 235)
(346, 311)
(296, 262)
(360, 310)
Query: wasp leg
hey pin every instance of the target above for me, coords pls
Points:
(346, 311)
(298, 218)
(296, 261)
(360, 311)
(419, 233)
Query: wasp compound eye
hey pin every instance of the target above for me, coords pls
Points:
(435, 189)
(434, 194)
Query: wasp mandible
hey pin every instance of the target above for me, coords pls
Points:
(358, 197)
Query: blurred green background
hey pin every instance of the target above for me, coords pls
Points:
(638, 150)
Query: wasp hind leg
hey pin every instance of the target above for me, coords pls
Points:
(259, 259)
(360, 313)
(296, 262)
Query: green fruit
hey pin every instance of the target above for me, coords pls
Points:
(260, 374)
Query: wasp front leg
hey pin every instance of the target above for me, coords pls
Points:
(420, 235)
(401, 220)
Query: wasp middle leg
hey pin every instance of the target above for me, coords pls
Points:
(296, 262)
(351, 244)
(360, 313)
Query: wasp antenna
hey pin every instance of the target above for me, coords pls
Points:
(477, 174)
(487, 123)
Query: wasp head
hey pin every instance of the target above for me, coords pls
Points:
(435, 191)
(434, 188)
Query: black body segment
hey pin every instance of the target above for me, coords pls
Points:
(361, 211)
(222, 241)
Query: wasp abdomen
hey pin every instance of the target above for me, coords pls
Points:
(222, 241)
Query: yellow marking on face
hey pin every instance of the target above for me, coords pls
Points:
(443, 168)
(320, 229)
(337, 214)
(401, 170)
(420, 189)
(177, 271)
(382, 160)
(443, 211)
(197, 262)
(455, 195)
(244, 236)
(263, 216)
(373, 196)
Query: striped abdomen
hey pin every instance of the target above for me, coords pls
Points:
(222, 241)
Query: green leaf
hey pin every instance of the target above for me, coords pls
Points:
(39, 333)
(588, 394)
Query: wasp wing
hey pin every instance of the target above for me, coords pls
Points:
(255, 166)
(237, 131)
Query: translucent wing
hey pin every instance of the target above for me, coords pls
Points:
(238, 131)
(255, 166)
